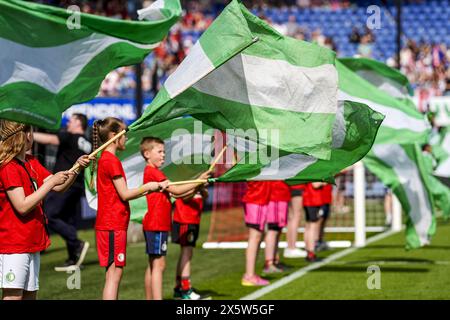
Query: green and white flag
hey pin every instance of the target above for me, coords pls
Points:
(52, 58)
(394, 159)
(402, 124)
(188, 148)
(441, 152)
(402, 168)
(243, 74)
(354, 132)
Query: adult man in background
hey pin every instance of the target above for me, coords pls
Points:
(63, 208)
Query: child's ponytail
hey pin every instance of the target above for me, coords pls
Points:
(95, 139)
(12, 139)
(100, 133)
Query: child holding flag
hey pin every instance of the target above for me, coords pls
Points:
(113, 213)
(157, 221)
(24, 183)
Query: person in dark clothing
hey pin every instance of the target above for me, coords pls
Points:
(63, 208)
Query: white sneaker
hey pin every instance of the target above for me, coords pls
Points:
(294, 253)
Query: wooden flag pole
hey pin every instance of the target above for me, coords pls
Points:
(76, 166)
(213, 164)
(199, 181)
(188, 181)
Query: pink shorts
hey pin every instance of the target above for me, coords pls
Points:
(277, 214)
(274, 214)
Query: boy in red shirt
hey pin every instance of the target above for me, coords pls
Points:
(185, 229)
(316, 202)
(157, 221)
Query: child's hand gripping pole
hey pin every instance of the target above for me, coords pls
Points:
(76, 166)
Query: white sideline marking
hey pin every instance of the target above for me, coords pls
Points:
(300, 273)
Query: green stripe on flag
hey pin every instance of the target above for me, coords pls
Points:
(354, 132)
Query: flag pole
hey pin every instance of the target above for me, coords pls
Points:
(188, 181)
(76, 166)
(213, 164)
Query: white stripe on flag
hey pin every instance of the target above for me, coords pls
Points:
(395, 119)
(194, 67)
(285, 167)
(52, 68)
(385, 84)
(409, 177)
(152, 12)
(273, 83)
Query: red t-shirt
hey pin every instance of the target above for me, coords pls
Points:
(159, 206)
(317, 197)
(280, 191)
(258, 192)
(112, 212)
(22, 234)
(188, 212)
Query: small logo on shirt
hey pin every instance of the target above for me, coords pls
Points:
(121, 257)
(10, 276)
(164, 246)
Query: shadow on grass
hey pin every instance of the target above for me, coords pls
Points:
(363, 269)
(375, 260)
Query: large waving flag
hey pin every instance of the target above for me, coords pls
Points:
(189, 145)
(244, 74)
(47, 66)
(354, 132)
(396, 157)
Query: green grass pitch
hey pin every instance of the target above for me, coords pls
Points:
(418, 274)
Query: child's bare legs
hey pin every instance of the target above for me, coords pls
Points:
(154, 277)
(148, 283)
(311, 234)
(294, 221)
(388, 207)
(254, 240)
(184, 262)
(112, 282)
(271, 240)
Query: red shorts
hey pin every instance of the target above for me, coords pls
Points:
(255, 215)
(111, 247)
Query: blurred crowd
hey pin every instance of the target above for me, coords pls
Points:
(426, 65)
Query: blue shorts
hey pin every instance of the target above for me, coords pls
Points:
(156, 242)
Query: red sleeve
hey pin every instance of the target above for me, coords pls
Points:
(42, 171)
(152, 174)
(11, 177)
(114, 168)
